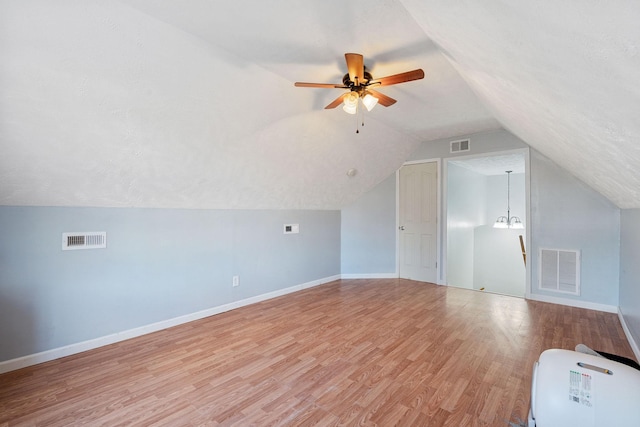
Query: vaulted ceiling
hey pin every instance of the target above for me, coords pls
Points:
(191, 104)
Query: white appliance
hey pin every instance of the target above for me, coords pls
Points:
(576, 389)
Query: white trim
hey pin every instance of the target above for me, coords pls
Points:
(528, 216)
(370, 276)
(573, 303)
(398, 221)
(627, 332)
(439, 255)
(443, 224)
(56, 353)
(418, 162)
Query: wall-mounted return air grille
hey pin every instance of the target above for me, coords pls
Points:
(460, 145)
(84, 240)
(560, 271)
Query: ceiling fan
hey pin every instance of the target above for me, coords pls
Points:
(360, 82)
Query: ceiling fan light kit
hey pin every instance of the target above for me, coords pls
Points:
(359, 82)
(350, 102)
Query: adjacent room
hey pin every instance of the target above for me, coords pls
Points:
(482, 253)
(321, 212)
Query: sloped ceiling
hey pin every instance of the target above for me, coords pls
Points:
(191, 104)
(564, 76)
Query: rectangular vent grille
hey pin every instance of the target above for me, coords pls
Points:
(560, 271)
(460, 145)
(84, 240)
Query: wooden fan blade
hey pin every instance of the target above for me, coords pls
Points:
(336, 102)
(382, 98)
(322, 85)
(355, 65)
(399, 78)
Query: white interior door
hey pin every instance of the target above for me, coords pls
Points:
(418, 222)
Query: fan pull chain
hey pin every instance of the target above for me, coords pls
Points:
(361, 111)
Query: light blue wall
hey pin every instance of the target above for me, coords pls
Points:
(163, 263)
(159, 264)
(630, 271)
(485, 142)
(567, 214)
(368, 226)
(369, 231)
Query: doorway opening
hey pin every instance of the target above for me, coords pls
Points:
(478, 255)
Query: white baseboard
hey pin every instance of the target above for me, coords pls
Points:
(370, 276)
(56, 353)
(573, 303)
(627, 332)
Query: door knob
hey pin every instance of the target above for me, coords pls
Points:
(401, 227)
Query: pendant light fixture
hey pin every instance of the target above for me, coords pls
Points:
(508, 221)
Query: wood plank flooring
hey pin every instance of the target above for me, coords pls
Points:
(351, 352)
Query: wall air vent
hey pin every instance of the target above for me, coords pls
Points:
(84, 240)
(560, 271)
(460, 145)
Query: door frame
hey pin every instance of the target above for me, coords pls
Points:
(438, 162)
(527, 213)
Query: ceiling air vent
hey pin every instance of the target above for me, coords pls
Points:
(84, 240)
(460, 145)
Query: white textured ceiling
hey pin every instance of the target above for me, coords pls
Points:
(564, 76)
(191, 104)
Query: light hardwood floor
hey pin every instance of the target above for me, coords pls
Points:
(351, 352)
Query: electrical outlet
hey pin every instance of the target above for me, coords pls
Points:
(236, 281)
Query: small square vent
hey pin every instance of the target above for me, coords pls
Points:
(84, 240)
(291, 228)
(460, 145)
(560, 271)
